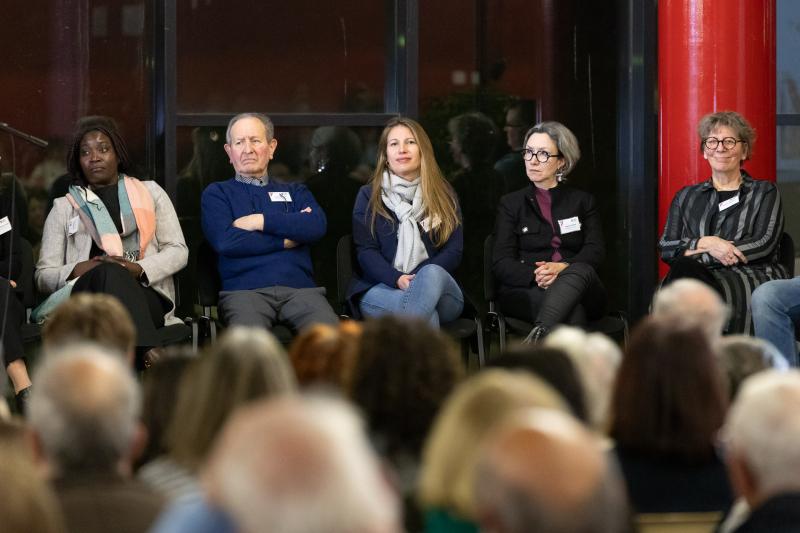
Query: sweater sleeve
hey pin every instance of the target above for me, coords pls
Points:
(303, 228)
(767, 225)
(217, 219)
(673, 242)
(368, 249)
(593, 250)
(506, 266)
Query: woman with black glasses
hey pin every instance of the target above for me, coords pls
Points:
(548, 239)
(725, 230)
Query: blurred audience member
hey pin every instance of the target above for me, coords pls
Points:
(27, 503)
(546, 472)
(51, 167)
(761, 433)
(597, 358)
(324, 355)
(520, 117)
(741, 356)
(209, 163)
(553, 366)
(91, 317)
(668, 404)
(447, 480)
(246, 364)
(693, 303)
(84, 415)
(313, 470)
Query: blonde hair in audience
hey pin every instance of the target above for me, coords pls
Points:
(246, 364)
(452, 449)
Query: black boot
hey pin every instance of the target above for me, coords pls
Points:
(22, 398)
(537, 333)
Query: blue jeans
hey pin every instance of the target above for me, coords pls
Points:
(433, 295)
(776, 310)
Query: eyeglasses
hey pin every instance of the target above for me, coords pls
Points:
(711, 143)
(542, 156)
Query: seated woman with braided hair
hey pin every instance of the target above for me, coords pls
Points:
(113, 234)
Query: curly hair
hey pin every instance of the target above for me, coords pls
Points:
(404, 372)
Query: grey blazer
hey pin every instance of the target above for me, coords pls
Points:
(165, 255)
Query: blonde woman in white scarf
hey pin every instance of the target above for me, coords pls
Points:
(407, 232)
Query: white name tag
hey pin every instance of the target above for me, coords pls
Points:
(728, 203)
(5, 225)
(72, 228)
(280, 196)
(569, 225)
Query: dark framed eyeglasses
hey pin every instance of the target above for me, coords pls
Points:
(711, 143)
(542, 156)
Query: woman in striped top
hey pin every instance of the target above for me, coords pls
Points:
(725, 231)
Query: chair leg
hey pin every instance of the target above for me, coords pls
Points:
(501, 327)
(479, 333)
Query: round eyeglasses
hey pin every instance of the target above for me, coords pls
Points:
(542, 156)
(728, 143)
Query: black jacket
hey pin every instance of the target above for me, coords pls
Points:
(779, 514)
(522, 235)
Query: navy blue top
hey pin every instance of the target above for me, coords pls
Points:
(375, 252)
(257, 259)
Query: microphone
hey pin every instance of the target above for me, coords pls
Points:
(41, 143)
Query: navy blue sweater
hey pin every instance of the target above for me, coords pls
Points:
(257, 259)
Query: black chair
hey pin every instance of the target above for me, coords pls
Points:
(467, 329)
(31, 331)
(613, 324)
(209, 284)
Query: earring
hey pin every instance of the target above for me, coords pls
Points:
(560, 174)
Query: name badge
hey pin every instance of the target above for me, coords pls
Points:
(280, 196)
(569, 225)
(72, 228)
(5, 225)
(728, 203)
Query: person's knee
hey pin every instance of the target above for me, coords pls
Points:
(766, 296)
(584, 270)
(434, 272)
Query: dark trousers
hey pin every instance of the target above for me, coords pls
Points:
(575, 297)
(144, 304)
(12, 315)
(686, 267)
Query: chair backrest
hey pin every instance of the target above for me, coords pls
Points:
(786, 253)
(25, 280)
(489, 288)
(207, 275)
(344, 270)
(678, 522)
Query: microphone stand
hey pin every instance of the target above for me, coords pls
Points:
(41, 143)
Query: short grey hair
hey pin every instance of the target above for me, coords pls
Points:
(692, 302)
(312, 470)
(734, 121)
(265, 120)
(84, 408)
(564, 139)
(741, 356)
(763, 429)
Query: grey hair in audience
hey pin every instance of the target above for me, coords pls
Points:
(265, 120)
(597, 359)
(692, 302)
(84, 408)
(311, 470)
(741, 356)
(763, 429)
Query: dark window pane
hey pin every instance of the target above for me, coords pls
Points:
(302, 56)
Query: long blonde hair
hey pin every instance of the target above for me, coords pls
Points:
(438, 197)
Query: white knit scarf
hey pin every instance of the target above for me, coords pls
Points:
(404, 199)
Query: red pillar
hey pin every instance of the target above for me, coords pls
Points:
(712, 56)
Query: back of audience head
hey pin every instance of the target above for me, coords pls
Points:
(160, 394)
(474, 408)
(404, 372)
(669, 397)
(323, 355)
(692, 302)
(543, 471)
(312, 470)
(473, 138)
(27, 503)
(244, 365)
(553, 366)
(334, 149)
(91, 317)
(597, 359)
(761, 433)
(520, 117)
(84, 411)
(741, 356)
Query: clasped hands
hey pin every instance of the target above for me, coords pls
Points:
(720, 249)
(546, 273)
(81, 268)
(255, 222)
